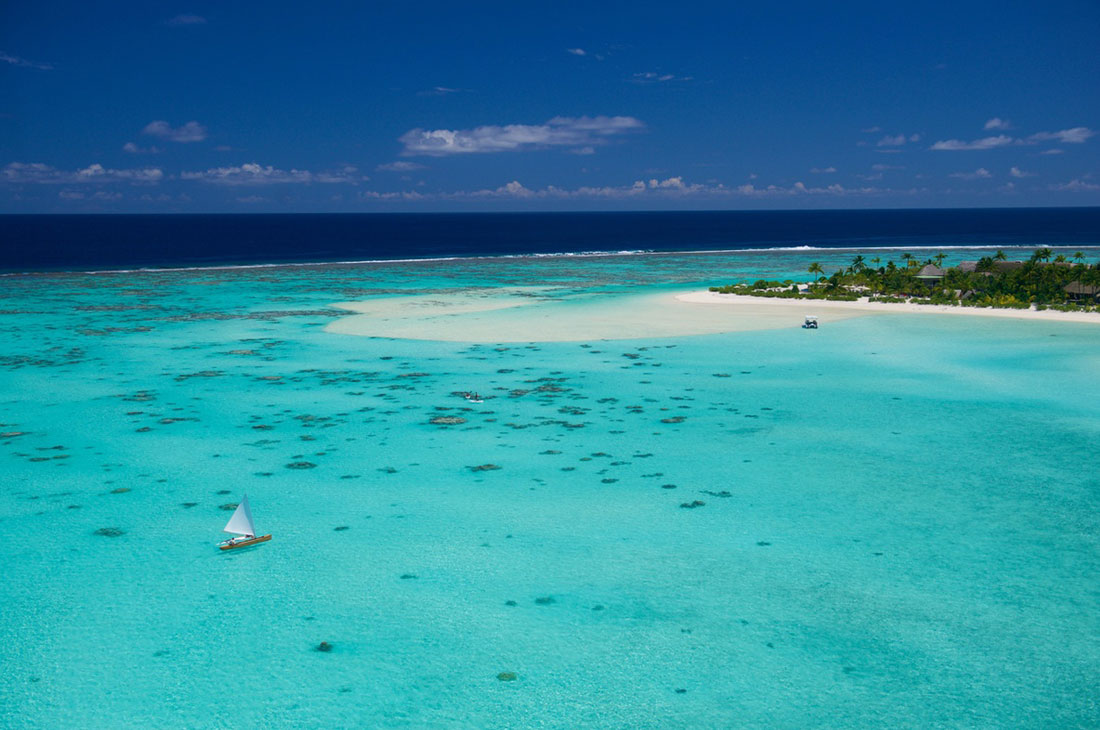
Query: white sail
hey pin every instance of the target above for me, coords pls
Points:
(241, 521)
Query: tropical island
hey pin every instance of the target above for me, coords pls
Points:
(1044, 281)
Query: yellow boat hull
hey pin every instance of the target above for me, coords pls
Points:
(244, 543)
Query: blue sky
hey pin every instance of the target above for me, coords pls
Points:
(387, 106)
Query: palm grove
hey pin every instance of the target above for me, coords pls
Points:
(1044, 280)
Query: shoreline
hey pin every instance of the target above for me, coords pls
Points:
(512, 315)
(862, 306)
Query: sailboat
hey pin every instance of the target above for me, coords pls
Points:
(240, 524)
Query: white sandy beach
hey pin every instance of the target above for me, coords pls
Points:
(524, 315)
(823, 308)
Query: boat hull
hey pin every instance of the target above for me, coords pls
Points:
(244, 543)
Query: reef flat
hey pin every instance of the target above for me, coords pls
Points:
(887, 521)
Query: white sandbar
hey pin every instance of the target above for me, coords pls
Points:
(523, 315)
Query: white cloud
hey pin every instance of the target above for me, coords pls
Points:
(997, 123)
(880, 167)
(252, 199)
(254, 174)
(576, 51)
(801, 189)
(652, 77)
(400, 166)
(557, 132)
(514, 189)
(346, 174)
(675, 183)
(1076, 186)
(1077, 135)
(438, 91)
(409, 195)
(980, 174)
(101, 195)
(24, 63)
(589, 150)
(133, 149)
(986, 143)
(823, 170)
(1017, 172)
(186, 19)
(871, 130)
(190, 132)
(1052, 151)
(671, 187)
(897, 140)
(36, 172)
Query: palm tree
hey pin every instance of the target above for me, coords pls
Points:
(1060, 258)
(857, 264)
(906, 257)
(939, 258)
(1041, 254)
(876, 261)
(1079, 257)
(999, 256)
(815, 268)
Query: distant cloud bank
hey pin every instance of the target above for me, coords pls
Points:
(255, 174)
(36, 172)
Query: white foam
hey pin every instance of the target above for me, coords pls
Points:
(560, 254)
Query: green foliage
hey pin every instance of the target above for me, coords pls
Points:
(992, 284)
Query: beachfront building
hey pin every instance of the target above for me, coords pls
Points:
(1078, 292)
(991, 266)
(930, 275)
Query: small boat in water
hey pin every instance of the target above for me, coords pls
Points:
(240, 525)
(810, 323)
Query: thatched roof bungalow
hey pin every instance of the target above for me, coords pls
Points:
(930, 274)
(1079, 292)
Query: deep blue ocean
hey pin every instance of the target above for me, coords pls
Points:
(62, 242)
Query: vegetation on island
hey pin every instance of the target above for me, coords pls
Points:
(1044, 281)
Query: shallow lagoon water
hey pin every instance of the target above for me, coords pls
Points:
(898, 525)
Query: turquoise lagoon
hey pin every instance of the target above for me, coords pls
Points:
(894, 521)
